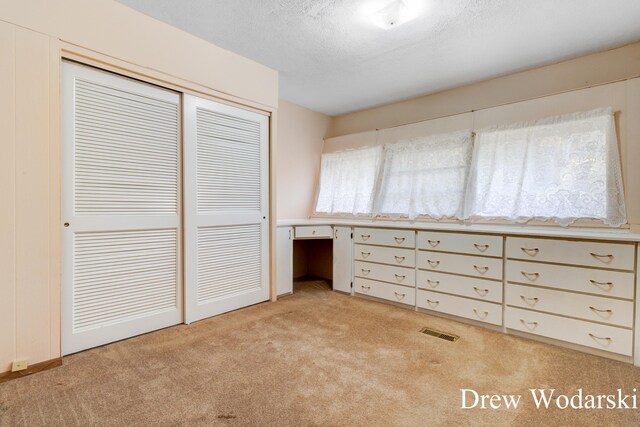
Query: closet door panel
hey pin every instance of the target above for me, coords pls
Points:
(226, 205)
(121, 207)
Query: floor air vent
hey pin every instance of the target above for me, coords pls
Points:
(439, 334)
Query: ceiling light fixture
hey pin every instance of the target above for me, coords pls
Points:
(394, 14)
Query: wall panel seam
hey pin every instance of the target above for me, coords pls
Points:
(15, 191)
(49, 294)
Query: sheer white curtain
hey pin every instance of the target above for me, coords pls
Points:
(348, 180)
(425, 176)
(561, 168)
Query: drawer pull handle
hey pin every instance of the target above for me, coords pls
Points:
(399, 258)
(433, 303)
(365, 288)
(481, 270)
(529, 325)
(433, 243)
(609, 285)
(399, 295)
(365, 254)
(530, 251)
(604, 258)
(597, 338)
(400, 277)
(365, 236)
(597, 310)
(533, 300)
(313, 232)
(399, 240)
(483, 315)
(531, 276)
(433, 283)
(433, 263)
(481, 292)
(365, 272)
(481, 248)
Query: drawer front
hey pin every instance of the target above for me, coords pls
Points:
(384, 255)
(592, 254)
(401, 294)
(482, 289)
(314, 231)
(473, 244)
(386, 273)
(589, 280)
(488, 268)
(603, 337)
(587, 307)
(477, 310)
(385, 237)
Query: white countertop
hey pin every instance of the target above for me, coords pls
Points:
(623, 235)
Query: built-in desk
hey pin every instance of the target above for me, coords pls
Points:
(571, 287)
(302, 239)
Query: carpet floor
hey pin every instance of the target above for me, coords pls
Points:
(314, 358)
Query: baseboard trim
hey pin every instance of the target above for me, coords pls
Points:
(35, 368)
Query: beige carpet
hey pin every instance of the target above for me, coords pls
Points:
(313, 358)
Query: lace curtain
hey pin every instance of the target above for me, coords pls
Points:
(348, 180)
(562, 169)
(425, 176)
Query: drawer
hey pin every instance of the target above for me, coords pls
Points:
(396, 293)
(314, 232)
(603, 337)
(593, 254)
(587, 307)
(471, 309)
(385, 237)
(617, 284)
(482, 289)
(488, 268)
(384, 255)
(473, 244)
(386, 273)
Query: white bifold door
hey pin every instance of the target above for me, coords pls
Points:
(226, 206)
(120, 208)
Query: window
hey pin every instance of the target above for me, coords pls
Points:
(562, 168)
(425, 176)
(348, 180)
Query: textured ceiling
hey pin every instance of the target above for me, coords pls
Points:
(332, 59)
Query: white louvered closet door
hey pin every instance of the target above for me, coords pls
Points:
(226, 205)
(120, 207)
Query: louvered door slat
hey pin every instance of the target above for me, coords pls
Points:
(226, 236)
(229, 163)
(227, 260)
(121, 157)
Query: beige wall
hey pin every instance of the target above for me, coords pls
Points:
(300, 139)
(29, 252)
(113, 29)
(604, 67)
(34, 34)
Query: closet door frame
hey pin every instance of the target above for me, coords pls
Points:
(65, 51)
